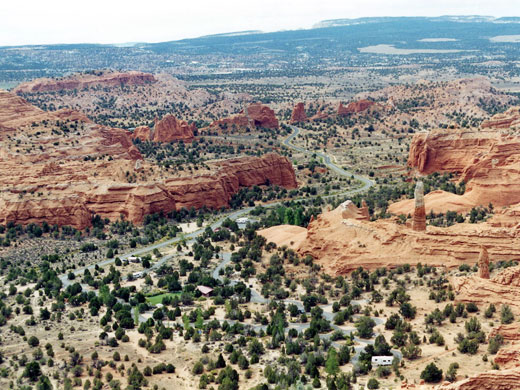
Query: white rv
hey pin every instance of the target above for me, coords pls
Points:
(382, 360)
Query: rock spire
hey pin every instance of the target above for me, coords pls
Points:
(419, 214)
(483, 263)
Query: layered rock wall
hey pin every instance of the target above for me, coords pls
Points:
(77, 198)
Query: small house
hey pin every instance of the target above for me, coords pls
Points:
(242, 221)
(382, 360)
(206, 291)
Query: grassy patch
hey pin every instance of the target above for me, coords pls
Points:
(158, 298)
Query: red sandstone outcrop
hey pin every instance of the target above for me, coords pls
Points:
(144, 133)
(508, 356)
(489, 380)
(483, 263)
(170, 129)
(66, 178)
(507, 120)
(71, 198)
(255, 115)
(487, 161)
(341, 245)
(16, 112)
(298, 114)
(355, 107)
(86, 80)
(167, 129)
(510, 332)
(502, 289)
(350, 211)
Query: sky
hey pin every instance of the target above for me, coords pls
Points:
(116, 21)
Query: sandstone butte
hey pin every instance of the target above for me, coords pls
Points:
(81, 81)
(355, 107)
(487, 159)
(253, 116)
(167, 129)
(298, 114)
(342, 244)
(65, 179)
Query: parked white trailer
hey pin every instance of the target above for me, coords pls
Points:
(382, 360)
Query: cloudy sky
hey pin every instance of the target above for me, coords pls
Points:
(117, 21)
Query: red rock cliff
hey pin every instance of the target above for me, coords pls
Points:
(71, 198)
(487, 161)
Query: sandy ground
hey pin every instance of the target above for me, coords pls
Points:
(289, 235)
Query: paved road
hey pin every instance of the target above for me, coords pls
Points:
(367, 183)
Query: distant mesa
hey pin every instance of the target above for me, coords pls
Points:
(86, 80)
(255, 115)
(298, 114)
(167, 129)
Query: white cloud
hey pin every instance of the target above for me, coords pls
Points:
(112, 21)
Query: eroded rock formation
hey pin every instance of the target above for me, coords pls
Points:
(419, 214)
(350, 211)
(253, 116)
(489, 380)
(483, 263)
(16, 112)
(486, 160)
(167, 129)
(355, 107)
(341, 245)
(507, 120)
(502, 289)
(71, 198)
(85, 80)
(66, 179)
(298, 114)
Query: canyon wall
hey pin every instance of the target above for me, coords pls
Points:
(68, 199)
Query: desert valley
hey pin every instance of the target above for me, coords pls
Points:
(331, 208)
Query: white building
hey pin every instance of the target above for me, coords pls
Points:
(382, 360)
(242, 220)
